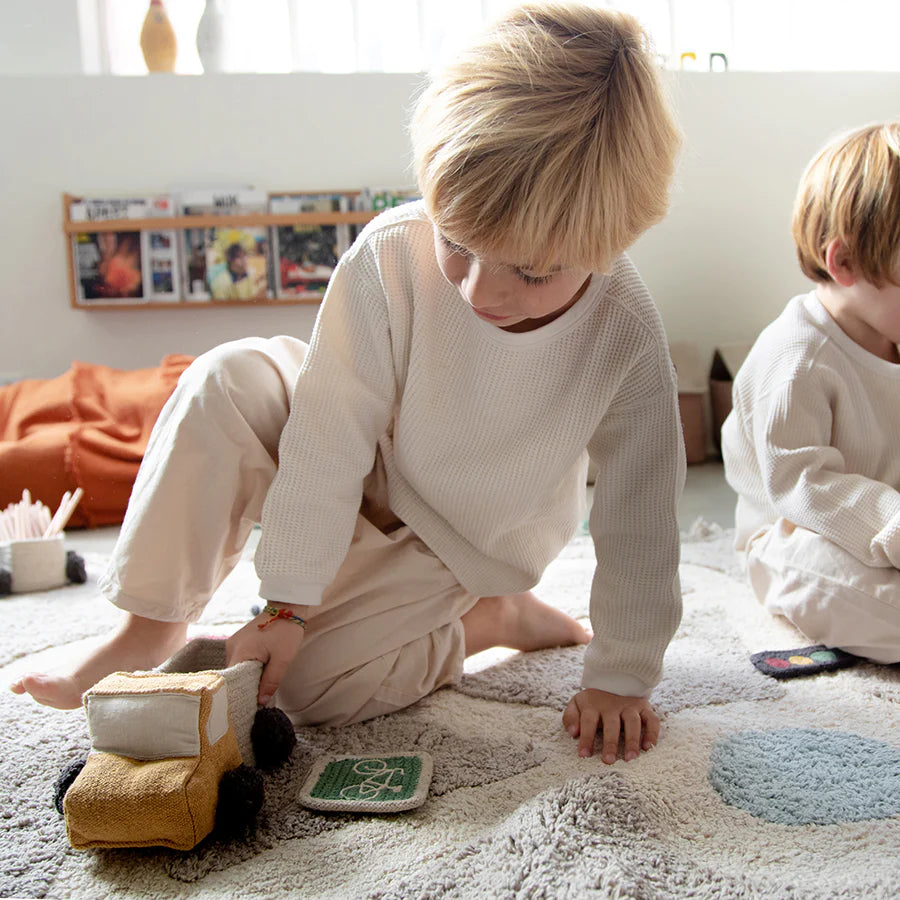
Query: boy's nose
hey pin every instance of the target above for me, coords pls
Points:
(479, 287)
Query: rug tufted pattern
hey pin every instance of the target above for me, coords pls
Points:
(513, 812)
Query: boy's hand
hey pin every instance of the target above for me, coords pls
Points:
(275, 646)
(591, 711)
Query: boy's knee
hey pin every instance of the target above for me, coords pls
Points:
(234, 366)
(252, 377)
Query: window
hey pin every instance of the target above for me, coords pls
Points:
(415, 35)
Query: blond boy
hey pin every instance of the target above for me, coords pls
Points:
(432, 441)
(812, 446)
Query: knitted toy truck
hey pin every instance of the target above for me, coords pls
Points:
(176, 753)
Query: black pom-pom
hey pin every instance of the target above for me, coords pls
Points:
(5, 582)
(241, 794)
(75, 570)
(64, 781)
(272, 736)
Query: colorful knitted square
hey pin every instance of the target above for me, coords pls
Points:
(802, 661)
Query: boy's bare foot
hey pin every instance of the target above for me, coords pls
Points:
(520, 621)
(139, 644)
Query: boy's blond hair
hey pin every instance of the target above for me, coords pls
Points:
(549, 142)
(851, 191)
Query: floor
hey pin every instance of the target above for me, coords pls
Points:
(706, 495)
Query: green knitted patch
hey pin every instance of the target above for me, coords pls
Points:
(368, 783)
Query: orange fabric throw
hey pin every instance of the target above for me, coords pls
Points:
(88, 428)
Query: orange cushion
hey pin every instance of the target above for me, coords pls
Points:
(88, 428)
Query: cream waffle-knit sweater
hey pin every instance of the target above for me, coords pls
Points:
(482, 434)
(814, 436)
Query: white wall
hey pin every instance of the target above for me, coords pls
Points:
(40, 37)
(720, 266)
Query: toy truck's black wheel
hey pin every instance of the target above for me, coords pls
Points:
(241, 795)
(272, 736)
(64, 781)
(5, 582)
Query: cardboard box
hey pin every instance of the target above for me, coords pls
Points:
(727, 359)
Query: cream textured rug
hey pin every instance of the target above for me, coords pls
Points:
(758, 788)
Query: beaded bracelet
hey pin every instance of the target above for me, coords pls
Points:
(274, 613)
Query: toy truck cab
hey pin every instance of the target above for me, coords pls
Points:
(160, 746)
(175, 753)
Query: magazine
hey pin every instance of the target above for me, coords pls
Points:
(380, 199)
(126, 265)
(305, 255)
(225, 262)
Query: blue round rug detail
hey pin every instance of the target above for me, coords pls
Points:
(797, 776)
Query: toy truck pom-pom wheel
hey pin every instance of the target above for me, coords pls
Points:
(64, 781)
(272, 736)
(241, 795)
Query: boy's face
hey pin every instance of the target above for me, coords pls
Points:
(514, 298)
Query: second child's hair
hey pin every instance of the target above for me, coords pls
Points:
(851, 192)
(550, 141)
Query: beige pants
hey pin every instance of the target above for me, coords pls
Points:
(389, 631)
(831, 596)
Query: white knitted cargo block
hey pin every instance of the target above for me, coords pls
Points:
(241, 680)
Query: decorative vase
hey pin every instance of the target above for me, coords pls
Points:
(158, 42)
(211, 37)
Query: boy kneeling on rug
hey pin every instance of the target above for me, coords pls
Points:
(812, 445)
(420, 463)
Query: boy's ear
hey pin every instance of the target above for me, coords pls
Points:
(840, 264)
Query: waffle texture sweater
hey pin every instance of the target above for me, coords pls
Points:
(483, 436)
(814, 436)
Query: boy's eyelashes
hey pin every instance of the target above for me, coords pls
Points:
(523, 276)
(533, 279)
(454, 248)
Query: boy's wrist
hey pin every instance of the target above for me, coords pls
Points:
(271, 613)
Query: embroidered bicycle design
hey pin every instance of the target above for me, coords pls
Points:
(378, 781)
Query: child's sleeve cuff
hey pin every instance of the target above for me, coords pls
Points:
(615, 683)
(287, 589)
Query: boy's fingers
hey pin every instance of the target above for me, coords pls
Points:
(631, 719)
(271, 677)
(651, 728)
(611, 727)
(588, 730)
(570, 718)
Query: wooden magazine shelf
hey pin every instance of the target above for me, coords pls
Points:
(179, 224)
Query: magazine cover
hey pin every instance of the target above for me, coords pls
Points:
(108, 266)
(237, 263)
(225, 263)
(131, 266)
(305, 255)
